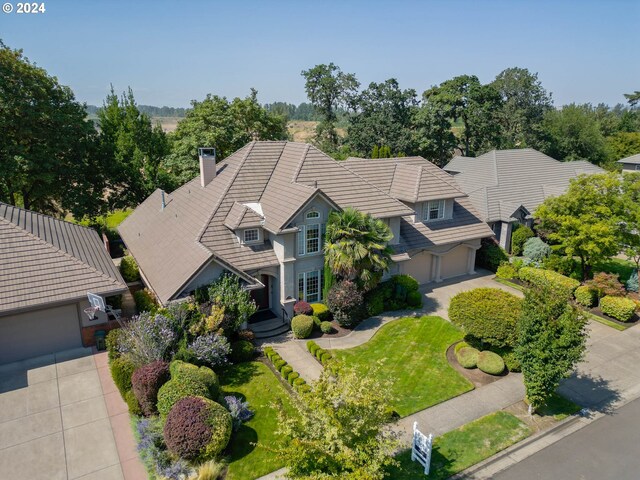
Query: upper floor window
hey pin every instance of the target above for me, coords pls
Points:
(310, 238)
(312, 215)
(434, 210)
(251, 235)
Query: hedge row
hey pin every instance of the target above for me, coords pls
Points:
(540, 277)
(320, 354)
(619, 308)
(292, 377)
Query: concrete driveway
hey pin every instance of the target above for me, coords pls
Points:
(60, 417)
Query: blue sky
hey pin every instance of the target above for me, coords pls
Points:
(172, 52)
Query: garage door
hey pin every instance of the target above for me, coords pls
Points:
(38, 333)
(454, 263)
(419, 267)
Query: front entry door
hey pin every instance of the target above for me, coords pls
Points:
(261, 295)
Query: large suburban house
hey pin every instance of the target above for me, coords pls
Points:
(506, 186)
(261, 214)
(48, 267)
(630, 164)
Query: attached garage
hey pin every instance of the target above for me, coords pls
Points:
(419, 267)
(455, 262)
(39, 332)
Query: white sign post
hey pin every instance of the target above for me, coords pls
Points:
(421, 448)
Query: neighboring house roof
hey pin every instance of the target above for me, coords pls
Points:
(501, 181)
(633, 159)
(47, 261)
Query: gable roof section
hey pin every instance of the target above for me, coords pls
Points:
(242, 216)
(633, 159)
(47, 261)
(502, 179)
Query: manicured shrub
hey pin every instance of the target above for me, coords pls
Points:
(632, 283)
(467, 357)
(312, 347)
(145, 301)
(460, 345)
(518, 237)
(242, 351)
(511, 361)
(285, 371)
(197, 429)
(345, 303)
(320, 352)
(268, 351)
(487, 314)
(302, 308)
(278, 364)
(607, 284)
(291, 378)
(326, 327)
(325, 357)
(132, 403)
(298, 382)
(188, 372)
(122, 369)
(146, 381)
(619, 308)
(112, 340)
(175, 390)
(490, 362)
(414, 299)
(536, 250)
(490, 255)
(321, 311)
(585, 296)
(302, 326)
(129, 269)
(561, 285)
(506, 271)
(239, 410)
(316, 322)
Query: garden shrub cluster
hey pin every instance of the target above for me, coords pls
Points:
(619, 308)
(490, 255)
(292, 377)
(585, 296)
(146, 381)
(302, 326)
(467, 357)
(562, 285)
(154, 453)
(302, 308)
(519, 236)
(129, 269)
(487, 314)
(145, 301)
(398, 293)
(197, 428)
(490, 362)
(321, 311)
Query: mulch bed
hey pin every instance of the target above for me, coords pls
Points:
(474, 375)
(598, 313)
(338, 331)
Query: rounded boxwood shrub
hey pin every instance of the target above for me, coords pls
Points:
(326, 327)
(585, 296)
(302, 326)
(298, 381)
(197, 429)
(460, 345)
(242, 351)
(325, 357)
(487, 314)
(187, 372)
(518, 237)
(619, 308)
(175, 390)
(302, 308)
(278, 364)
(490, 362)
(490, 255)
(122, 369)
(374, 301)
(291, 378)
(321, 311)
(414, 299)
(285, 371)
(146, 382)
(506, 271)
(312, 347)
(467, 357)
(320, 352)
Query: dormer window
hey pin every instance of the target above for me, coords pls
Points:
(251, 235)
(434, 210)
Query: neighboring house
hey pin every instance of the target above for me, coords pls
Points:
(261, 214)
(48, 266)
(506, 186)
(630, 164)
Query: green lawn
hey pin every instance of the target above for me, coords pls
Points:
(461, 448)
(257, 384)
(411, 352)
(624, 268)
(510, 284)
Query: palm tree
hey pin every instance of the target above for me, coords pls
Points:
(356, 247)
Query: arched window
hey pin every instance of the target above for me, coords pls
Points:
(313, 215)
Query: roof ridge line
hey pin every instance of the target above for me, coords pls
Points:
(266, 184)
(220, 200)
(445, 180)
(300, 163)
(416, 190)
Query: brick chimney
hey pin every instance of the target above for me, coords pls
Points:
(207, 158)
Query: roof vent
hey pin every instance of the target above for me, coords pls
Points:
(207, 158)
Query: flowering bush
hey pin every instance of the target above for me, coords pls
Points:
(302, 308)
(345, 302)
(211, 349)
(146, 382)
(147, 338)
(239, 410)
(154, 454)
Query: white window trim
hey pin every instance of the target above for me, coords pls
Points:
(316, 221)
(427, 210)
(244, 236)
(304, 276)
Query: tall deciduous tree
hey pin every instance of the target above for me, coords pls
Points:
(630, 217)
(584, 221)
(433, 137)
(383, 117)
(339, 431)
(329, 88)
(524, 102)
(356, 247)
(476, 106)
(551, 341)
(46, 144)
(227, 126)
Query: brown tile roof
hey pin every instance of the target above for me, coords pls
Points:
(46, 261)
(243, 216)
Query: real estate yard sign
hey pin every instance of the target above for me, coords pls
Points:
(421, 448)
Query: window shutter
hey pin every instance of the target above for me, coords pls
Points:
(301, 240)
